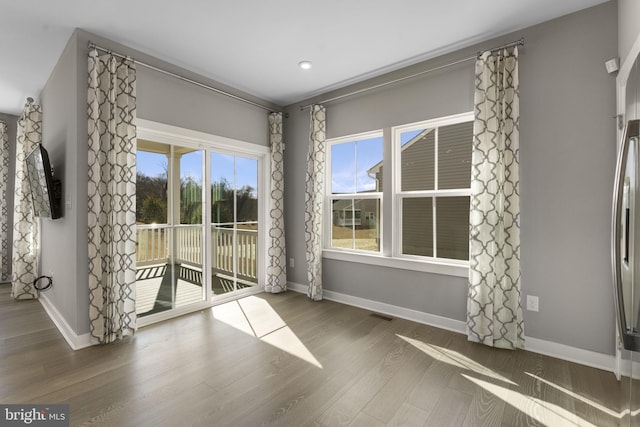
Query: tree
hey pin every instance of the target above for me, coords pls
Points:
(154, 211)
(221, 202)
(151, 199)
(190, 201)
(246, 204)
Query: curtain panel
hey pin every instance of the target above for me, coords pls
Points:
(111, 202)
(277, 268)
(26, 240)
(494, 311)
(314, 201)
(4, 212)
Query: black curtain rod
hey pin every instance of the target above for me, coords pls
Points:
(519, 42)
(185, 79)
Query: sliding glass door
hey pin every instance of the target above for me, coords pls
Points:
(197, 225)
(187, 229)
(169, 202)
(234, 222)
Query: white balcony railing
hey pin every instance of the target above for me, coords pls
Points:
(154, 244)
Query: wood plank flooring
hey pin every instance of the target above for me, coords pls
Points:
(283, 360)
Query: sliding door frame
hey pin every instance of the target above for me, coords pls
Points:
(177, 136)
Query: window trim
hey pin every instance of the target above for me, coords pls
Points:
(390, 250)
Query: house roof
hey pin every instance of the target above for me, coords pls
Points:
(376, 168)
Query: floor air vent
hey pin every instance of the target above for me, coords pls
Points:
(381, 316)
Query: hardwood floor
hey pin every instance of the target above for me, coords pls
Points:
(284, 360)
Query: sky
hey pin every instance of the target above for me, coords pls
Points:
(350, 162)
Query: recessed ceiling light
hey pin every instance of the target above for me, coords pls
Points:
(305, 65)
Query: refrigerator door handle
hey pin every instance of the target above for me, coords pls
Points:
(630, 340)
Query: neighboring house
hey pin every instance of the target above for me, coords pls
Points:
(362, 213)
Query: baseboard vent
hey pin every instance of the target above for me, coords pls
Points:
(381, 316)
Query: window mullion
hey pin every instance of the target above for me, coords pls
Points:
(353, 223)
(435, 238)
(355, 191)
(390, 228)
(436, 187)
(355, 165)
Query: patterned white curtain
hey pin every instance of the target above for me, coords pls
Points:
(112, 189)
(277, 268)
(26, 251)
(4, 213)
(313, 201)
(494, 311)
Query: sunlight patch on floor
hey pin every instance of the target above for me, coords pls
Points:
(285, 339)
(255, 316)
(455, 359)
(544, 412)
(576, 396)
(231, 313)
(263, 318)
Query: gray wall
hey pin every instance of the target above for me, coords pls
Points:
(59, 238)
(567, 141)
(628, 26)
(160, 98)
(11, 122)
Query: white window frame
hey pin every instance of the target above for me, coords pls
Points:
(400, 195)
(390, 254)
(329, 197)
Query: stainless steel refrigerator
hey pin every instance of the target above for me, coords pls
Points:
(626, 250)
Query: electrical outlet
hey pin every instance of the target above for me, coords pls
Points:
(292, 263)
(532, 303)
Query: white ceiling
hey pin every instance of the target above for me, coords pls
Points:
(255, 45)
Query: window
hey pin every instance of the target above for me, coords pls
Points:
(433, 187)
(427, 170)
(355, 193)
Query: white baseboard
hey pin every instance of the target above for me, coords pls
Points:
(548, 348)
(594, 359)
(388, 309)
(76, 342)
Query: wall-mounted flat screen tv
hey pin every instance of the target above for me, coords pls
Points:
(46, 190)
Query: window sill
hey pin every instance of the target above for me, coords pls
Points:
(444, 268)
